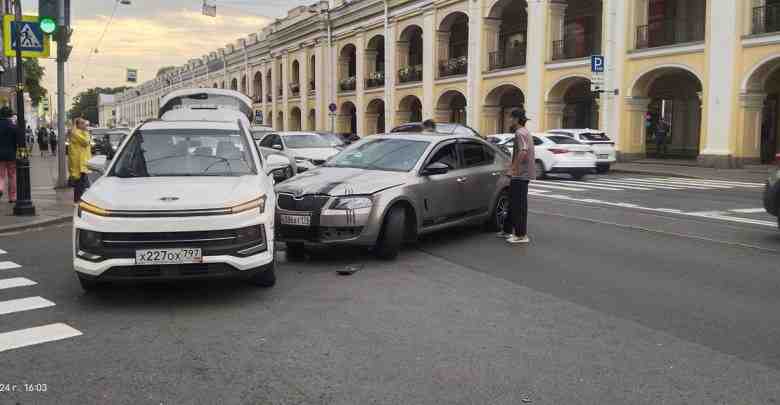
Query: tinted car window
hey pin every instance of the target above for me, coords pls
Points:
(537, 141)
(464, 130)
(594, 136)
(380, 154)
(447, 154)
(475, 154)
(563, 140)
(408, 128)
(266, 142)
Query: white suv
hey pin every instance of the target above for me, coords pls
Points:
(603, 147)
(182, 199)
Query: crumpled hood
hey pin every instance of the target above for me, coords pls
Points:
(144, 193)
(341, 181)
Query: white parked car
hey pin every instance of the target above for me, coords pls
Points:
(602, 145)
(182, 199)
(554, 154)
(309, 149)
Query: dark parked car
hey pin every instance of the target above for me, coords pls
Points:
(772, 192)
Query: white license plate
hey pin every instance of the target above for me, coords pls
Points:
(603, 156)
(168, 256)
(297, 220)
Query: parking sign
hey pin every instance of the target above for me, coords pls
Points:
(597, 63)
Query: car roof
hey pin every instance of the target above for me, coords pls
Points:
(288, 133)
(219, 125)
(576, 130)
(419, 136)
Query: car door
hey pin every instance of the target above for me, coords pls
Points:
(481, 175)
(441, 193)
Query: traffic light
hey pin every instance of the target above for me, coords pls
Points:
(648, 120)
(47, 15)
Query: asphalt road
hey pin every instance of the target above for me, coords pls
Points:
(635, 296)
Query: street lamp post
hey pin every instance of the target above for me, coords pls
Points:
(24, 204)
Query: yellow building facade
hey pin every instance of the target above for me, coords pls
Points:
(710, 68)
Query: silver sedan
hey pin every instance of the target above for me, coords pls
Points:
(386, 189)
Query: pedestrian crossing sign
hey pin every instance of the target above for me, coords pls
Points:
(34, 43)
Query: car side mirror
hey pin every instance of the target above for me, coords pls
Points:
(98, 163)
(436, 168)
(276, 146)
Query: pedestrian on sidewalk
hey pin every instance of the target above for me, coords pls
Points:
(28, 134)
(521, 170)
(43, 141)
(661, 132)
(9, 134)
(78, 154)
(53, 142)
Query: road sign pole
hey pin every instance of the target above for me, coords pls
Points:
(62, 166)
(24, 205)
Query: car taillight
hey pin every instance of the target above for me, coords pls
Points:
(558, 151)
(777, 159)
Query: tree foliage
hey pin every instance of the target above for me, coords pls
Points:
(85, 104)
(33, 75)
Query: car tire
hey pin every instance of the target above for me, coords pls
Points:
(295, 250)
(392, 236)
(602, 169)
(265, 276)
(540, 173)
(578, 175)
(501, 207)
(87, 283)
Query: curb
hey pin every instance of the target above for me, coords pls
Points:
(36, 224)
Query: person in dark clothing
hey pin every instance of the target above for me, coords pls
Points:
(661, 132)
(9, 134)
(53, 142)
(521, 170)
(43, 141)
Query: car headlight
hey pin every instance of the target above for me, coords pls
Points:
(90, 240)
(351, 203)
(257, 203)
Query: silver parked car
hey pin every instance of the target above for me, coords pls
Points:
(385, 189)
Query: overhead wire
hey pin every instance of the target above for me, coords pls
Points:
(97, 46)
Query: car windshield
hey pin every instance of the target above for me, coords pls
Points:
(381, 154)
(334, 139)
(184, 152)
(307, 141)
(595, 136)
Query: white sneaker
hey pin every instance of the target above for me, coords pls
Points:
(516, 239)
(503, 235)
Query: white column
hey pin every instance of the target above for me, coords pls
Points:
(537, 45)
(286, 91)
(474, 77)
(360, 83)
(429, 64)
(319, 84)
(391, 70)
(274, 80)
(615, 46)
(720, 91)
(303, 72)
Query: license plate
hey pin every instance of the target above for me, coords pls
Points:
(603, 156)
(168, 256)
(297, 220)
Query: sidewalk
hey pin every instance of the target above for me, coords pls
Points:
(51, 205)
(752, 174)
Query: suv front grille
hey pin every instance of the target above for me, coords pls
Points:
(305, 203)
(194, 239)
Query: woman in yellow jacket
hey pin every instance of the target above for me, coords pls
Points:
(79, 152)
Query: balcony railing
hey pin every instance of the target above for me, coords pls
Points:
(766, 19)
(454, 67)
(312, 87)
(578, 46)
(268, 98)
(376, 79)
(510, 57)
(279, 92)
(347, 84)
(669, 32)
(295, 89)
(410, 74)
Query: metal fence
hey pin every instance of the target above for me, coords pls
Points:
(669, 32)
(766, 19)
(509, 57)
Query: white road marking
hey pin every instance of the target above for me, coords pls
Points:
(748, 210)
(15, 282)
(719, 215)
(663, 182)
(579, 184)
(535, 184)
(606, 183)
(713, 182)
(37, 335)
(24, 304)
(9, 265)
(2, 252)
(689, 184)
(646, 184)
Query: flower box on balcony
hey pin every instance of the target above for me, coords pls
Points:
(347, 84)
(410, 74)
(454, 67)
(376, 79)
(295, 88)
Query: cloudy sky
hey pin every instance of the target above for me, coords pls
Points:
(150, 34)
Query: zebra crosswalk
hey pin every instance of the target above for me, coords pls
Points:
(15, 298)
(608, 183)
